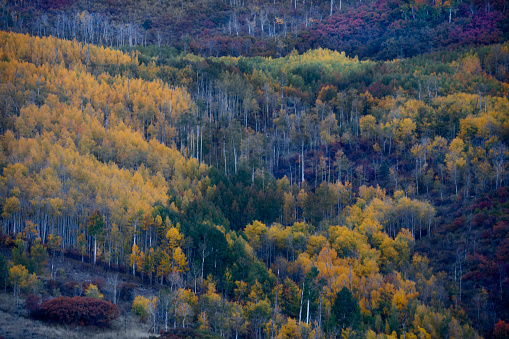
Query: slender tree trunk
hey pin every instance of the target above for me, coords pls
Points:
(301, 298)
(307, 316)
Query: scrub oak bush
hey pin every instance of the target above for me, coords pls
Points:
(32, 304)
(81, 311)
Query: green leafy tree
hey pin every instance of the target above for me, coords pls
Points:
(291, 298)
(95, 229)
(19, 253)
(346, 309)
(3, 271)
(54, 242)
(38, 256)
(258, 314)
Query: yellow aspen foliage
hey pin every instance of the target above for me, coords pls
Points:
(31, 230)
(140, 262)
(367, 125)
(278, 235)
(174, 238)
(370, 224)
(33, 284)
(240, 290)
(367, 264)
(188, 296)
(185, 313)
(140, 307)
(363, 304)
(389, 253)
(345, 241)
(93, 292)
(180, 261)
(403, 244)
(203, 322)
(288, 208)
(290, 330)
(82, 245)
(408, 335)
(254, 233)
(256, 292)
(11, 207)
(55, 242)
(149, 262)
(400, 299)
(18, 278)
(422, 334)
(326, 260)
(368, 193)
(134, 257)
(302, 198)
(408, 286)
(304, 262)
(375, 298)
(471, 65)
(315, 244)
(165, 265)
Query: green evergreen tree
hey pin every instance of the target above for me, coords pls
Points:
(3, 271)
(346, 309)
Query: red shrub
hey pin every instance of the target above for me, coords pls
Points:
(501, 330)
(478, 219)
(71, 288)
(6, 240)
(181, 333)
(52, 285)
(81, 311)
(500, 227)
(458, 223)
(85, 284)
(32, 303)
(99, 283)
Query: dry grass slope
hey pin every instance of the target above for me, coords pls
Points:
(14, 323)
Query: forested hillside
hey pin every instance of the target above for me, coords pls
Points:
(314, 195)
(381, 29)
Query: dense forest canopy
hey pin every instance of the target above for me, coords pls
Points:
(289, 169)
(369, 29)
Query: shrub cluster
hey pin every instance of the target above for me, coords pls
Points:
(126, 291)
(71, 288)
(184, 333)
(32, 304)
(81, 311)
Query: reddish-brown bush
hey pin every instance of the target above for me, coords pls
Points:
(182, 333)
(99, 283)
(52, 285)
(71, 288)
(81, 311)
(32, 303)
(501, 329)
(6, 240)
(85, 284)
